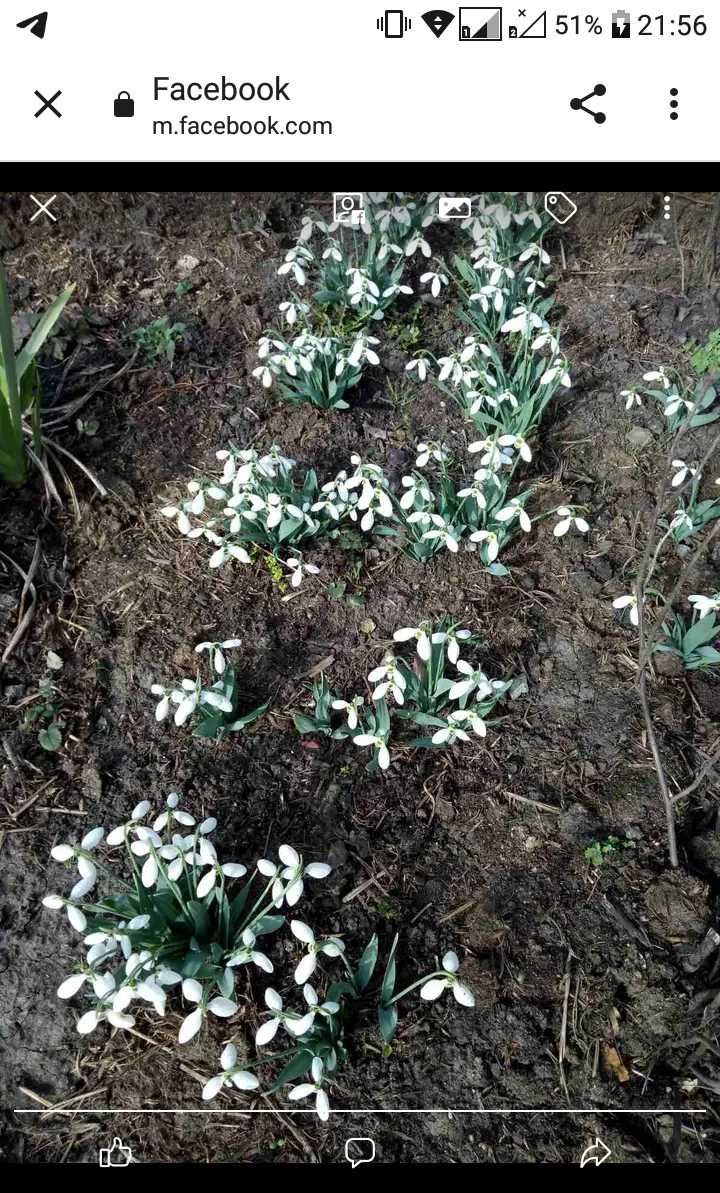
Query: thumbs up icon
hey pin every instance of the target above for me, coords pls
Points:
(115, 1156)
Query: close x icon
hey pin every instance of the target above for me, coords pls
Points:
(48, 105)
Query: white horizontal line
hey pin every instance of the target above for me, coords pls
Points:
(449, 1110)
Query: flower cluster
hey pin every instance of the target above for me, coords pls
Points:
(447, 707)
(315, 369)
(214, 701)
(178, 922)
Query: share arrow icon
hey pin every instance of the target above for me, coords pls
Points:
(437, 20)
(36, 24)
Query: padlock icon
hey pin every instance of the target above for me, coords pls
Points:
(124, 104)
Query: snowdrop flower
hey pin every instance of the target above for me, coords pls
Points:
(194, 992)
(278, 508)
(172, 812)
(658, 375)
(216, 649)
(248, 953)
(532, 285)
(230, 1075)
(264, 373)
(430, 451)
(629, 601)
(74, 914)
(390, 681)
(362, 288)
(307, 1089)
(488, 296)
(675, 403)
(294, 871)
(378, 743)
(299, 569)
(493, 456)
(328, 946)
(492, 546)
(294, 1024)
(474, 679)
(476, 490)
(546, 340)
(396, 288)
(208, 857)
(436, 280)
(419, 365)
(471, 347)
(558, 369)
(473, 719)
(515, 510)
(703, 605)
(535, 250)
(683, 471)
(452, 639)
(422, 637)
(449, 734)
(362, 350)
(569, 518)
(350, 708)
(373, 499)
(443, 533)
(294, 310)
(80, 854)
(414, 486)
(332, 252)
(452, 369)
(632, 398)
(228, 551)
(292, 263)
(417, 241)
(682, 518)
(522, 322)
(521, 446)
(434, 988)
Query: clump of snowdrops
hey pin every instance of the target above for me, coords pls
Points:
(319, 369)
(448, 698)
(213, 702)
(168, 927)
(258, 502)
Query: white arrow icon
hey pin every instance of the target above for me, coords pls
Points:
(596, 1154)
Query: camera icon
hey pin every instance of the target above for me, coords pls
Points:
(559, 206)
(348, 208)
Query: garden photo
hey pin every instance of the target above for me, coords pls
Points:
(360, 676)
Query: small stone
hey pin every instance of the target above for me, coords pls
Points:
(639, 438)
(444, 810)
(367, 626)
(668, 664)
(186, 264)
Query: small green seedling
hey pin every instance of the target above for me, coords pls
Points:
(693, 642)
(159, 339)
(599, 851)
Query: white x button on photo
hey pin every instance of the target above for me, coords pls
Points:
(43, 208)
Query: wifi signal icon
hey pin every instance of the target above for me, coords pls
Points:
(438, 20)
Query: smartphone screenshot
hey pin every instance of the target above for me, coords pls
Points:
(359, 585)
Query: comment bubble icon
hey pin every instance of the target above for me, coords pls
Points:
(359, 1150)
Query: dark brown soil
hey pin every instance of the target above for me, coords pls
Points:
(589, 990)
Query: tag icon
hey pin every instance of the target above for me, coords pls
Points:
(115, 1156)
(124, 104)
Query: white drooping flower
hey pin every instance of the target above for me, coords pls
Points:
(535, 250)
(298, 569)
(449, 734)
(378, 743)
(421, 634)
(328, 946)
(307, 1089)
(216, 650)
(490, 539)
(453, 637)
(230, 1075)
(435, 986)
(390, 681)
(436, 282)
(474, 680)
(515, 510)
(632, 398)
(523, 322)
(683, 471)
(658, 375)
(194, 992)
(442, 532)
(208, 857)
(431, 451)
(628, 601)
(350, 708)
(568, 518)
(420, 365)
(703, 605)
(675, 403)
(473, 719)
(120, 834)
(248, 954)
(516, 441)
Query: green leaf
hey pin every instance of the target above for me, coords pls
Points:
(41, 331)
(388, 986)
(423, 718)
(366, 966)
(247, 718)
(305, 724)
(387, 1022)
(200, 919)
(226, 983)
(267, 923)
(701, 632)
(50, 738)
(299, 1065)
(498, 569)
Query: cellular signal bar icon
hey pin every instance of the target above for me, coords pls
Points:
(394, 23)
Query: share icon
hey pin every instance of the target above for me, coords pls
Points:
(578, 105)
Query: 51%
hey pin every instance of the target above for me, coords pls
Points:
(577, 25)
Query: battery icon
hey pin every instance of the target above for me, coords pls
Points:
(394, 23)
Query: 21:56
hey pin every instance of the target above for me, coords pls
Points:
(684, 25)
